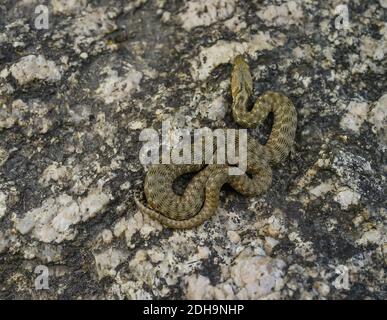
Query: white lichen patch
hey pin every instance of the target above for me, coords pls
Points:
(258, 276)
(91, 25)
(3, 155)
(233, 236)
(145, 272)
(250, 277)
(204, 13)
(199, 288)
(67, 6)
(286, 14)
(224, 51)
(274, 226)
(322, 189)
(93, 203)
(4, 73)
(3, 205)
(115, 88)
(322, 288)
(347, 197)
(106, 262)
(374, 236)
(373, 48)
(134, 4)
(54, 221)
(54, 173)
(356, 113)
(303, 248)
(3, 37)
(151, 268)
(342, 194)
(345, 186)
(236, 23)
(47, 252)
(6, 89)
(30, 116)
(107, 236)
(105, 129)
(378, 117)
(33, 67)
(137, 223)
(136, 125)
(216, 109)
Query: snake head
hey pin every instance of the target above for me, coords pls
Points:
(240, 77)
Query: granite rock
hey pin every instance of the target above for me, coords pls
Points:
(75, 97)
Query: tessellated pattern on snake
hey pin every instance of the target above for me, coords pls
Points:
(201, 196)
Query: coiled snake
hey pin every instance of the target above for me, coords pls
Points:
(201, 196)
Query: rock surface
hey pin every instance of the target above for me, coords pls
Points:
(74, 98)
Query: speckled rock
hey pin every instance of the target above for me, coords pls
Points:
(74, 98)
(33, 67)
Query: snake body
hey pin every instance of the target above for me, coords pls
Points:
(200, 199)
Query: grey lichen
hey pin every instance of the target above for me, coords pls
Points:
(74, 97)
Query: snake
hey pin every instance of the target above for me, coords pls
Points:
(200, 198)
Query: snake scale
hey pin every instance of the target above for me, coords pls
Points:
(201, 196)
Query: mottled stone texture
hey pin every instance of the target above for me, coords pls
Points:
(74, 98)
